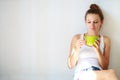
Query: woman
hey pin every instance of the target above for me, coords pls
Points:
(91, 62)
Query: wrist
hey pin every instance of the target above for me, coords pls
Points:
(98, 51)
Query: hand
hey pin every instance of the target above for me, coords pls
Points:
(97, 45)
(79, 43)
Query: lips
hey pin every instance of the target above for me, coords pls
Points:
(92, 28)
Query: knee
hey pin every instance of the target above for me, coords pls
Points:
(112, 75)
(111, 71)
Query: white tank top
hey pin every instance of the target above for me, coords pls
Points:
(87, 55)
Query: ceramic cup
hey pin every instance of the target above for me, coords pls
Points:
(90, 40)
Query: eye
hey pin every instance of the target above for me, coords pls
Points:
(95, 22)
(89, 22)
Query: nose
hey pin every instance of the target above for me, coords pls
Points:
(93, 24)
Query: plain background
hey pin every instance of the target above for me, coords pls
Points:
(35, 36)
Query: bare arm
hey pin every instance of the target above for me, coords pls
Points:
(76, 43)
(104, 59)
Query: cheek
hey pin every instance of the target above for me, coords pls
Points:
(98, 26)
(88, 24)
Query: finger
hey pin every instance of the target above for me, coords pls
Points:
(78, 43)
(81, 43)
(95, 45)
(97, 42)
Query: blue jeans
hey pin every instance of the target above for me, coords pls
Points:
(82, 74)
(92, 68)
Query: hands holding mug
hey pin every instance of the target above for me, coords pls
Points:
(89, 41)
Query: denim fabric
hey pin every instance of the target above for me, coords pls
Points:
(81, 75)
(92, 68)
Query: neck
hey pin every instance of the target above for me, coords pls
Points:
(92, 34)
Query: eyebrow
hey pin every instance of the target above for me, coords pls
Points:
(94, 20)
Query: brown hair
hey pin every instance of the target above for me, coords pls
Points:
(95, 9)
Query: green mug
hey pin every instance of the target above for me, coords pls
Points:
(90, 40)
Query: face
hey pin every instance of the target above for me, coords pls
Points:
(93, 23)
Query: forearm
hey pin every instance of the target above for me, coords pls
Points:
(72, 60)
(102, 60)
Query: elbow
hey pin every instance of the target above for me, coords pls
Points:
(70, 67)
(105, 67)
(70, 64)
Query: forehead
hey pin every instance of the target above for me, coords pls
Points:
(92, 17)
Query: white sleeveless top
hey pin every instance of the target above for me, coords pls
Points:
(88, 57)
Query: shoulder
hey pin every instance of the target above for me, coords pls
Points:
(76, 37)
(106, 40)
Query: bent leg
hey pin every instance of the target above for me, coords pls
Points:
(106, 75)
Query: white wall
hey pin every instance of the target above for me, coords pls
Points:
(35, 36)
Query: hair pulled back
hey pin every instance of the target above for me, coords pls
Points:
(95, 9)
